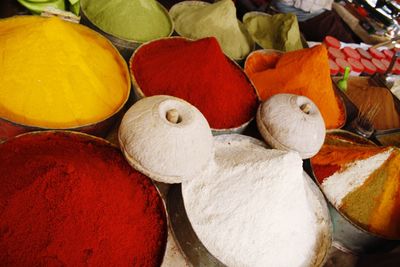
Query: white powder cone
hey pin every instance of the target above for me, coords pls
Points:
(250, 206)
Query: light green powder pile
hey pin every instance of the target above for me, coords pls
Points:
(279, 31)
(197, 20)
(136, 20)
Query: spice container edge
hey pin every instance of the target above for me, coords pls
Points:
(348, 236)
(103, 141)
(124, 46)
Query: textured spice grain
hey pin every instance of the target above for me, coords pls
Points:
(303, 72)
(66, 201)
(198, 72)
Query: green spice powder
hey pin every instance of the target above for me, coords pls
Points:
(198, 20)
(279, 31)
(136, 20)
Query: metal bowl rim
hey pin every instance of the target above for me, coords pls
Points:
(113, 146)
(79, 127)
(125, 41)
(336, 209)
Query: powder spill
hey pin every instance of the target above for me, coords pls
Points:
(250, 207)
(303, 72)
(364, 183)
(198, 72)
(197, 20)
(55, 80)
(136, 20)
(66, 200)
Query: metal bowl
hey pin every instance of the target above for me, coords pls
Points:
(138, 93)
(347, 235)
(389, 137)
(188, 4)
(125, 47)
(93, 140)
(10, 128)
(198, 255)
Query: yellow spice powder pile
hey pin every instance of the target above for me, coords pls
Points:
(57, 74)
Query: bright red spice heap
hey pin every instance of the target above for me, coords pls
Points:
(66, 200)
(198, 72)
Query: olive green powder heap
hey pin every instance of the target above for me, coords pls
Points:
(196, 20)
(279, 31)
(136, 20)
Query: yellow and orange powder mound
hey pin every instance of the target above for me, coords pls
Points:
(57, 74)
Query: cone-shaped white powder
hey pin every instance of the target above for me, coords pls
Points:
(250, 207)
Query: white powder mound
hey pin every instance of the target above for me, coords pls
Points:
(338, 185)
(250, 206)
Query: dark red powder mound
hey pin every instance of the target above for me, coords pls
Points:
(198, 72)
(66, 200)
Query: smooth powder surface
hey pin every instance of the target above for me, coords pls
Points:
(136, 20)
(56, 80)
(250, 207)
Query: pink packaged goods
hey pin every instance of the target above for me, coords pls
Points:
(369, 68)
(351, 53)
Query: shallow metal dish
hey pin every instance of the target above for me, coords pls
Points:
(93, 140)
(10, 128)
(198, 255)
(348, 236)
(125, 47)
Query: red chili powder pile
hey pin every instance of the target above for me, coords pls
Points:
(66, 200)
(198, 72)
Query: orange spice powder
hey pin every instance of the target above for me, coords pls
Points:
(302, 72)
(339, 155)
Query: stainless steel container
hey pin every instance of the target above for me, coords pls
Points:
(9, 129)
(198, 255)
(347, 236)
